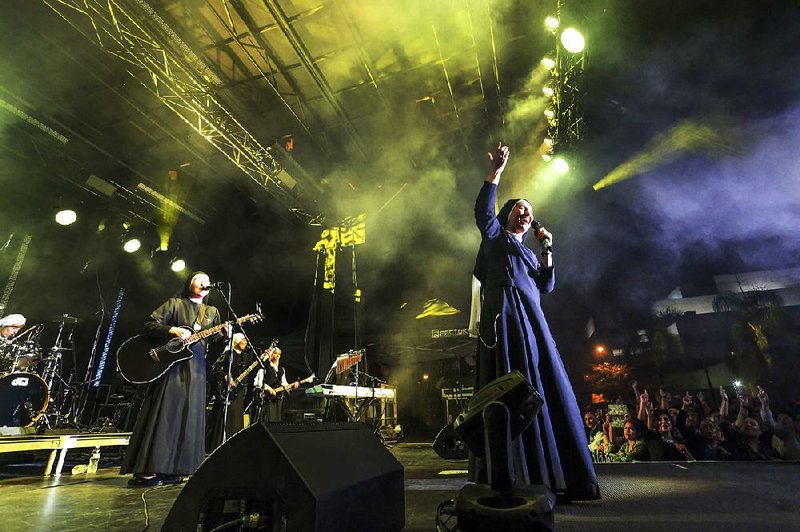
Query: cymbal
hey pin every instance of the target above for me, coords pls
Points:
(64, 318)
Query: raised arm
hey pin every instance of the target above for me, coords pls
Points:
(664, 398)
(766, 414)
(723, 406)
(484, 206)
(498, 162)
(744, 407)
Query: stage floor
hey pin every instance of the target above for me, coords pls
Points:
(639, 497)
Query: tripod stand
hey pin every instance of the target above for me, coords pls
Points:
(61, 392)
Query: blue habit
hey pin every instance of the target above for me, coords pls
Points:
(514, 335)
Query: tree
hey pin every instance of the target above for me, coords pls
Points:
(609, 378)
(758, 316)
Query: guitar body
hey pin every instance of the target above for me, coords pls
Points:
(136, 365)
(222, 393)
(139, 361)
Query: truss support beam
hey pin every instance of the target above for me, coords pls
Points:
(158, 61)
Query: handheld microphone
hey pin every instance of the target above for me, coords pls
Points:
(545, 241)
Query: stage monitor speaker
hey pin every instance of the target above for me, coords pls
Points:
(286, 477)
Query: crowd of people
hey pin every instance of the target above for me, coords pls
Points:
(685, 427)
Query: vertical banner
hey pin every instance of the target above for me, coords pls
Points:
(15, 269)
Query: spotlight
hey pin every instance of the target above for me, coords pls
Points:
(551, 23)
(572, 40)
(548, 141)
(548, 63)
(132, 245)
(549, 113)
(66, 217)
(425, 376)
(560, 165)
(546, 157)
(599, 349)
(548, 91)
(178, 265)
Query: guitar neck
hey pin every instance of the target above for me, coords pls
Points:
(310, 378)
(238, 380)
(205, 333)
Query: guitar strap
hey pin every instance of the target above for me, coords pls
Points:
(198, 322)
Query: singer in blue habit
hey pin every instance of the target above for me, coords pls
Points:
(514, 335)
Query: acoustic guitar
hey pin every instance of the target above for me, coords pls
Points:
(139, 362)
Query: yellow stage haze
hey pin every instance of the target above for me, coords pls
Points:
(685, 136)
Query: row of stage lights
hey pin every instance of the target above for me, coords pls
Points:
(561, 93)
(129, 245)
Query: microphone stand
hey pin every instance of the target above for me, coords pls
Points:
(229, 376)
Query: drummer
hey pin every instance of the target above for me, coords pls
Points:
(10, 325)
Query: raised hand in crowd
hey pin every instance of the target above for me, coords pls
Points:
(723, 407)
(763, 398)
(664, 398)
(702, 400)
(635, 386)
(688, 401)
(744, 407)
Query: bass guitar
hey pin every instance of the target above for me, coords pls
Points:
(280, 389)
(140, 363)
(223, 392)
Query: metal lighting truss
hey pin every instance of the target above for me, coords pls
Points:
(179, 79)
(567, 127)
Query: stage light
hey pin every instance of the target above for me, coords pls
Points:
(548, 91)
(425, 376)
(66, 217)
(546, 157)
(572, 40)
(551, 23)
(132, 245)
(548, 141)
(178, 265)
(548, 63)
(600, 349)
(560, 165)
(549, 113)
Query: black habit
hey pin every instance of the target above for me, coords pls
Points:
(169, 435)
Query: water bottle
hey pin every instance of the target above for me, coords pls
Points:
(94, 461)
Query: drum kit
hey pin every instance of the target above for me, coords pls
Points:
(32, 390)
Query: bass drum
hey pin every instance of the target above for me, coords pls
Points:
(23, 399)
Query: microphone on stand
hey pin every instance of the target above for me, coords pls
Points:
(545, 241)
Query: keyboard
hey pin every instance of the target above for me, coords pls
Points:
(350, 392)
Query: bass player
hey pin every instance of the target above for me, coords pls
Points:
(268, 385)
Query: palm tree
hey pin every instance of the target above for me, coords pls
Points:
(758, 316)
